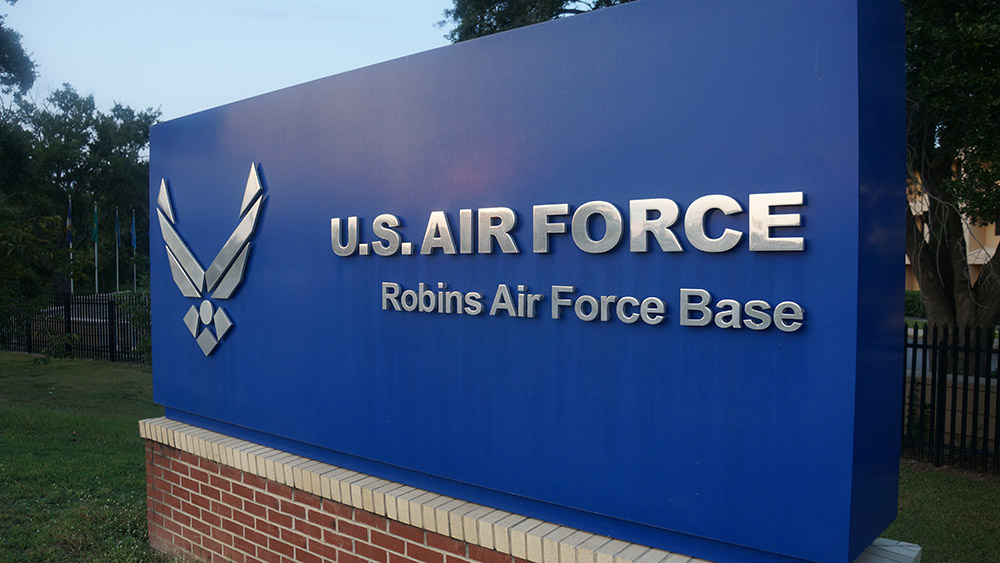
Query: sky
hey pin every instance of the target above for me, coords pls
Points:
(185, 56)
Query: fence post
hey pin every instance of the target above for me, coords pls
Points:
(112, 331)
(27, 334)
(941, 378)
(68, 323)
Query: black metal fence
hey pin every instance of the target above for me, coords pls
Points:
(951, 397)
(112, 326)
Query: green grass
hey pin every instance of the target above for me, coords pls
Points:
(72, 473)
(72, 466)
(953, 515)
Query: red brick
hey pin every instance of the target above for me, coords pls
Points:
(303, 556)
(178, 466)
(172, 526)
(346, 527)
(172, 501)
(231, 555)
(211, 492)
(292, 509)
(320, 519)
(201, 502)
(190, 484)
(191, 535)
(222, 509)
(281, 547)
(268, 528)
(160, 484)
(453, 559)
(339, 540)
(222, 536)
(255, 509)
(211, 545)
(323, 550)
(268, 556)
(484, 555)
(394, 558)
(242, 490)
(149, 453)
(306, 498)
(279, 489)
(198, 475)
(172, 477)
(296, 539)
(201, 526)
(370, 552)
(423, 554)
(266, 500)
(182, 543)
(232, 500)
(230, 472)
(210, 518)
(345, 557)
(445, 543)
(180, 492)
(279, 518)
(519, 560)
(389, 542)
(338, 509)
(153, 470)
(208, 465)
(406, 531)
(220, 483)
(255, 537)
(369, 519)
(254, 480)
(308, 529)
(244, 545)
(182, 519)
(232, 527)
(243, 517)
(191, 509)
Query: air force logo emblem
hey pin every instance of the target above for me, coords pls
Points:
(222, 277)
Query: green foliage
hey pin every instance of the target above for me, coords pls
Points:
(17, 70)
(953, 89)
(138, 313)
(72, 469)
(477, 18)
(914, 305)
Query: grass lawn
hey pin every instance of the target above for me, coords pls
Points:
(954, 515)
(72, 473)
(72, 466)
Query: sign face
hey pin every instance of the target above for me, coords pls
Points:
(636, 271)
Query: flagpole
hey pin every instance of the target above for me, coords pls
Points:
(69, 235)
(94, 236)
(133, 251)
(117, 237)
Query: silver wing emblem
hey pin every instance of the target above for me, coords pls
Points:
(223, 276)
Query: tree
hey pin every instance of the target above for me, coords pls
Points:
(17, 70)
(953, 153)
(476, 18)
(93, 157)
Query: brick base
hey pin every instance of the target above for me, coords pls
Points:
(214, 498)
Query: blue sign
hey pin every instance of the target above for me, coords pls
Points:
(637, 272)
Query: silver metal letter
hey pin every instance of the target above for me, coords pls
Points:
(438, 234)
(688, 306)
(694, 223)
(557, 301)
(352, 236)
(501, 232)
(382, 227)
(613, 227)
(640, 224)
(761, 221)
(788, 311)
(540, 226)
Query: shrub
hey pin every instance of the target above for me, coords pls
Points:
(914, 306)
